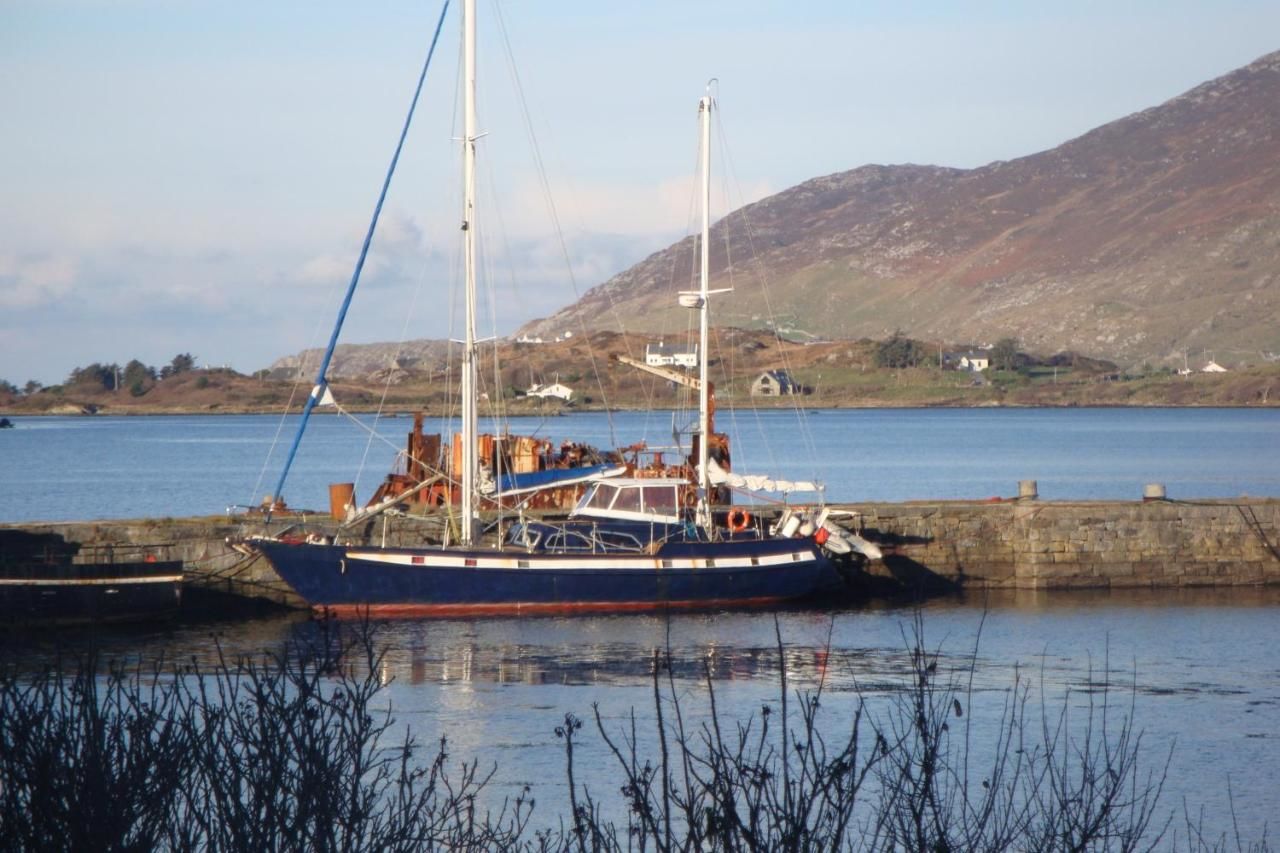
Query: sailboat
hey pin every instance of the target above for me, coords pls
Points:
(630, 543)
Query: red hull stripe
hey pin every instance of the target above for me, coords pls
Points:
(528, 607)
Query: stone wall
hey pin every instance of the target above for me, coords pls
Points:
(1063, 545)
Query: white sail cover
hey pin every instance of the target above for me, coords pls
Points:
(323, 396)
(757, 482)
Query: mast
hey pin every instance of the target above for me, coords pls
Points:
(468, 485)
(704, 264)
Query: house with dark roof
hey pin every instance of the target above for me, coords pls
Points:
(774, 383)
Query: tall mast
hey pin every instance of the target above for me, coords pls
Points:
(468, 485)
(704, 408)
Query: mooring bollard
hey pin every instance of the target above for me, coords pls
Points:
(1153, 492)
(1027, 490)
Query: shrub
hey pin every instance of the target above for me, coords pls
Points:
(295, 750)
(900, 351)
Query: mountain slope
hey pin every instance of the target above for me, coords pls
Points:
(1148, 236)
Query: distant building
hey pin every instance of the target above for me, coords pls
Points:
(529, 339)
(774, 383)
(662, 353)
(1213, 367)
(555, 389)
(974, 362)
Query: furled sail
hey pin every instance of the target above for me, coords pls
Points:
(757, 482)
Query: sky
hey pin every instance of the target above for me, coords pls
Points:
(188, 176)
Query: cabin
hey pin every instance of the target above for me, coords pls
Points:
(774, 383)
(555, 389)
(659, 354)
(648, 499)
(1213, 367)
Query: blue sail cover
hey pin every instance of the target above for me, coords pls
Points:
(532, 481)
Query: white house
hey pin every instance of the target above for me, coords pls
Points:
(974, 362)
(555, 389)
(774, 383)
(1213, 367)
(662, 353)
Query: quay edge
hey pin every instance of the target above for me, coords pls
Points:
(929, 545)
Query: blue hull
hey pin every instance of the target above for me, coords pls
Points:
(439, 581)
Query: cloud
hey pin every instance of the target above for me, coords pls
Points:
(35, 281)
(637, 209)
(323, 269)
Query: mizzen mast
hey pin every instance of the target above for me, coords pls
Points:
(704, 408)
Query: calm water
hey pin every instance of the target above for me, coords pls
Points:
(1199, 666)
(129, 467)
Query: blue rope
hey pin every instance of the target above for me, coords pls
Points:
(322, 383)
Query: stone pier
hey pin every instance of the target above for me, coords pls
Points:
(1032, 544)
(1021, 543)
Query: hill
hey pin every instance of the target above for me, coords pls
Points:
(1146, 238)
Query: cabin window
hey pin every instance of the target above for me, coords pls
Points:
(600, 498)
(627, 500)
(521, 535)
(567, 540)
(619, 541)
(660, 499)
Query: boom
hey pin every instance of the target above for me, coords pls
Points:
(679, 378)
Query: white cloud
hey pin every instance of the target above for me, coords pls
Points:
(33, 282)
(323, 269)
(637, 209)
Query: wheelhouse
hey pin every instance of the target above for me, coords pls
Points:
(632, 499)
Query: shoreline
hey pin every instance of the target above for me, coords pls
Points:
(133, 411)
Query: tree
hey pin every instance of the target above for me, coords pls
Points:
(31, 387)
(95, 376)
(182, 362)
(900, 351)
(1004, 355)
(136, 373)
(7, 387)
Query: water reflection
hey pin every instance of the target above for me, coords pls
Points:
(1197, 666)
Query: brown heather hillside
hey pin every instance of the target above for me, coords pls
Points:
(1153, 235)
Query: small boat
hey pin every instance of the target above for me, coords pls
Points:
(630, 543)
(46, 580)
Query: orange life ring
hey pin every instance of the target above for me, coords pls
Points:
(739, 520)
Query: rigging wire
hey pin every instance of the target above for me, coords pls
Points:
(553, 211)
(391, 370)
(761, 270)
(318, 392)
(684, 397)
